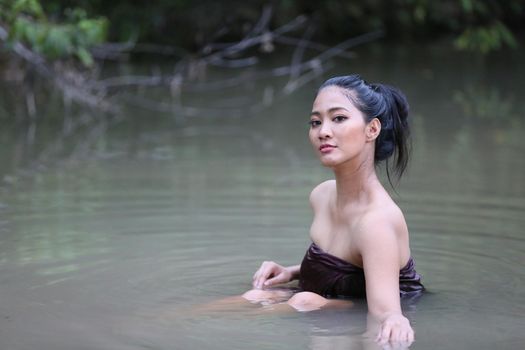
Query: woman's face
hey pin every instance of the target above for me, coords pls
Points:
(338, 131)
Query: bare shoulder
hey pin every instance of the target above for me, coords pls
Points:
(383, 223)
(321, 193)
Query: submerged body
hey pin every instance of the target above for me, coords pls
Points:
(360, 237)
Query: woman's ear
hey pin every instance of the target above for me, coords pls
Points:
(373, 128)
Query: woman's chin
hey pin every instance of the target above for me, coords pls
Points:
(328, 162)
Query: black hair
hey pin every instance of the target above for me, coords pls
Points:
(390, 106)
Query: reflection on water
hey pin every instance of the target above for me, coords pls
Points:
(112, 231)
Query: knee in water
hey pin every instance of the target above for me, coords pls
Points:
(306, 301)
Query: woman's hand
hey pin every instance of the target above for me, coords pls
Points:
(270, 274)
(395, 328)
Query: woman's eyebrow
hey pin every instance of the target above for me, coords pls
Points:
(333, 109)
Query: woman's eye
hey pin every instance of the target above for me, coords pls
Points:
(314, 123)
(340, 118)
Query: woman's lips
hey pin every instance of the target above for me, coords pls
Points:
(326, 148)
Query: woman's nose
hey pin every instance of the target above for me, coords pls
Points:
(325, 131)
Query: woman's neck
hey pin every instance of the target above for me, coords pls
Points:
(355, 182)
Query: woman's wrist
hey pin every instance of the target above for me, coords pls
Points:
(382, 316)
(393, 314)
(294, 271)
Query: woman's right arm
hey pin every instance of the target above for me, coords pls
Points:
(270, 274)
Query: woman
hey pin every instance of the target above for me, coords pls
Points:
(359, 234)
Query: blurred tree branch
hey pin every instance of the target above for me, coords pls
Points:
(110, 94)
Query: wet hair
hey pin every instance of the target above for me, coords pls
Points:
(390, 106)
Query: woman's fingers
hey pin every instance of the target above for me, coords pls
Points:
(265, 271)
(257, 283)
(261, 268)
(384, 334)
(390, 337)
(395, 335)
(269, 274)
(411, 337)
(257, 276)
(280, 278)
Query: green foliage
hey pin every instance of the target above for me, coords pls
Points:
(486, 38)
(484, 31)
(474, 25)
(73, 37)
(29, 7)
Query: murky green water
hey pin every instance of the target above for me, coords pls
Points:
(113, 233)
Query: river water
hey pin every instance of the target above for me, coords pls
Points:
(121, 232)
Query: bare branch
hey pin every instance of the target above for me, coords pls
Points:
(297, 57)
(190, 70)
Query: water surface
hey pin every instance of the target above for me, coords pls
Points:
(113, 233)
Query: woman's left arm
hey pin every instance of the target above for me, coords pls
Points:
(379, 249)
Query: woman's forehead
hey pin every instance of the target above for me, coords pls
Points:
(332, 96)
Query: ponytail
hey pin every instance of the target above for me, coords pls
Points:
(395, 139)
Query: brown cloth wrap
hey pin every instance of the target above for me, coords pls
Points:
(332, 277)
